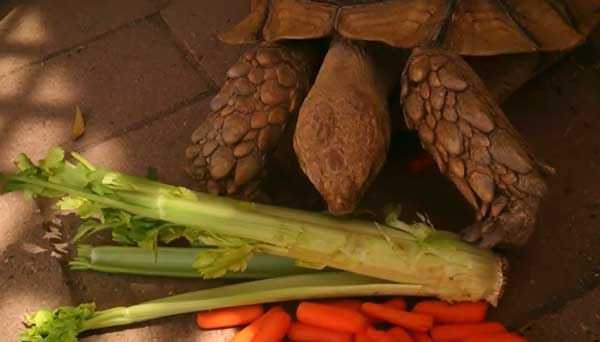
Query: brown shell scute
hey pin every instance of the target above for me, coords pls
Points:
(398, 23)
(231, 146)
(466, 27)
(298, 19)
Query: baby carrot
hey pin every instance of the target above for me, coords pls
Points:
(362, 337)
(405, 319)
(400, 335)
(228, 317)
(420, 337)
(331, 317)
(378, 335)
(249, 332)
(463, 331)
(305, 332)
(353, 304)
(274, 326)
(496, 337)
(443, 312)
(396, 303)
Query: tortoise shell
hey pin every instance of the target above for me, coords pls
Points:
(466, 27)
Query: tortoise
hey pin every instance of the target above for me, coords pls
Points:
(334, 103)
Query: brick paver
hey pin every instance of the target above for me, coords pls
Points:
(122, 80)
(29, 278)
(558, 115)
(160, 145)
(195, 25)
(578, 320)
(34, 30)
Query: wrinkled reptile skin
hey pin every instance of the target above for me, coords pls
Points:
(474, 144)
(249, 114)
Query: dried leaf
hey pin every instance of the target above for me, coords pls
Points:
(61, 247)
(78, 124)
(33, 248)
(56, 255)
(52, 235)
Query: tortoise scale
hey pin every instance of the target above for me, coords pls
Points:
(337, 104)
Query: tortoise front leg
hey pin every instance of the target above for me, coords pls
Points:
(263, 90)
(474, 145)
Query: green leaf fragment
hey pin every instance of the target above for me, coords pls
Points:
(60, 325)
(71, 175)
(171, 233)
(54, 159)
(24, 163)
(83, 161)
(216, 262)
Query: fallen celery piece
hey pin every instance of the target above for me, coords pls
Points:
(436, 261)
(66, 323)
(173, 262)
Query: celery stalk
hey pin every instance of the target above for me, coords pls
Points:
(65, 323)
(437, 262)
(173, 262)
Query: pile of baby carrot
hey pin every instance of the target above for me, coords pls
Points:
(351, 320)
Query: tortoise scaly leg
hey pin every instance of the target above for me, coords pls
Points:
(231, 147)
(343, 129)
(474, 145)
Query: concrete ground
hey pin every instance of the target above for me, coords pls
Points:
(143, 71)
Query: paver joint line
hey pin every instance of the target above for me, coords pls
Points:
(149, 120)
(186, 51)
(80, 45)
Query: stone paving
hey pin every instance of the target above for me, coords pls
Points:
(143, 71)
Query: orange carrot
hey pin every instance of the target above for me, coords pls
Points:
(463, 331)
(421, 337)
(274, 326)
(400, 335)
(497, 337)
(331, 317)
(353, 304)
(228, 317)
(396, 303)
(443, 312)
(362, 337)
(249, 332)
(405, 319)
(304, 332)
(378, 335)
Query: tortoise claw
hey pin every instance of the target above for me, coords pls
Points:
(512, 225)
(472, 232)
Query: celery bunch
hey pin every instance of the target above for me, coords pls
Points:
(143, 212)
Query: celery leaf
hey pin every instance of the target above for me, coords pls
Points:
(214, 263)
(24, 163)
(60, 325)
(54, 159)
